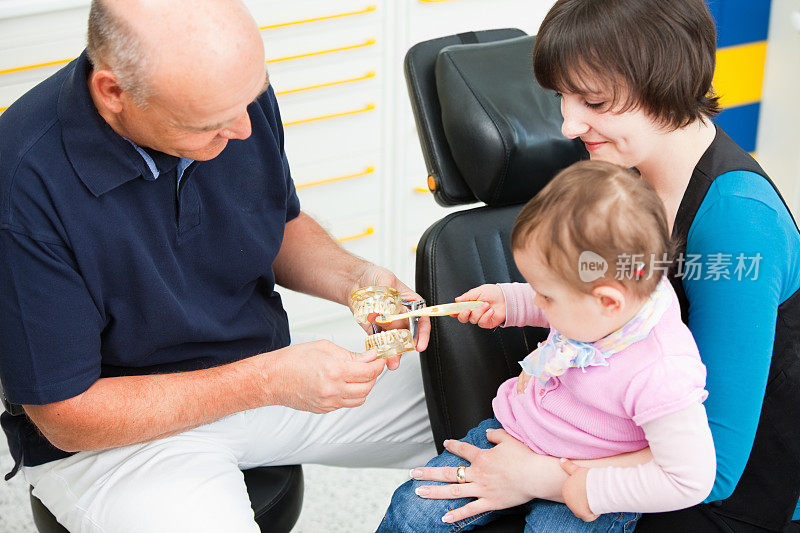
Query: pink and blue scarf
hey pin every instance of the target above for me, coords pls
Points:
(558, 353)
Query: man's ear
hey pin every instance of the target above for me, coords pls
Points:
(105, 87)
(611, 299)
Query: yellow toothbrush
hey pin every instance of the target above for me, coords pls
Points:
(434, 310)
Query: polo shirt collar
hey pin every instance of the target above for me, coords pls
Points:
(101, 157)
(157, 162)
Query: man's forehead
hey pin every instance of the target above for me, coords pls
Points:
(189, 120)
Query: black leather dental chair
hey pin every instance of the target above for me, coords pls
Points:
(489, 133)
(276, 494)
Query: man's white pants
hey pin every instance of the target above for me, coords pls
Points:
(193, 481)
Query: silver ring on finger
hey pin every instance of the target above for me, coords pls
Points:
(461, 474)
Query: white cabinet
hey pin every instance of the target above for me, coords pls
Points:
(780, 113)
(326, 62)
(34, 45)
(337, 69)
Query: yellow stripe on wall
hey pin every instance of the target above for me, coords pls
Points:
(740, 73)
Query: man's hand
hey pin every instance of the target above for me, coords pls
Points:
(321, 377)
(489, 315)
(378, 276)
(574, 491)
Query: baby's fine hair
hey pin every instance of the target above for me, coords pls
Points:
(593, 206)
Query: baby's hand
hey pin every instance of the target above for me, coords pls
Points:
(574, 491)
(489, 315)
(522, 382)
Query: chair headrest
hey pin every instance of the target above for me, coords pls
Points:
(488, 131)
(503, 129)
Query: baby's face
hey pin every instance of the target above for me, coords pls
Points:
(576, 314)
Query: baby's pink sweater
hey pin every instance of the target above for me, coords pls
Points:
(598, 411)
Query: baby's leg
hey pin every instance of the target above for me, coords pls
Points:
(552, 517)
(413, 514)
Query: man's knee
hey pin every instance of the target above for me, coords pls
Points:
(174, 503)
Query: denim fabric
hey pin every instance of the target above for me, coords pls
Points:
(546, 516)
(410, 513)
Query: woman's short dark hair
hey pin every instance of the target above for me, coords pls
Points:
(658, 55)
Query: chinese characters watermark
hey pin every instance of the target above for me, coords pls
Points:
(692, 267)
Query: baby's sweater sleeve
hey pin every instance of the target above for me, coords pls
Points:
(520, 309)
(681, 473)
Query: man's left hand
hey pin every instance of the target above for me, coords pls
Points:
(375, 276)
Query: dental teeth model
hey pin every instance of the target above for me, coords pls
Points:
(391, 342)
(367, 300)
(383, 301)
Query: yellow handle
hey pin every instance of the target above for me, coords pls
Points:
(367, 9)
(360, 12)
(368, 75)
(37, 65)
(3, 109)
(434, 310)
(368, 107)
(367, 232)
(366, 171)
(423, 190)
(368, 42)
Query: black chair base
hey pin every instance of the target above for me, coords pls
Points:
(276, 495)
(43, 518)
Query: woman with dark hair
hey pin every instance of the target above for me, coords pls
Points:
(634, 80)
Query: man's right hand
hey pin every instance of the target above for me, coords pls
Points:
(117, 411)
(320, 376)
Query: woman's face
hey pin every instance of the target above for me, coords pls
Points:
(626, 138)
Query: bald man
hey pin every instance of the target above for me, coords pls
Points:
(147, 212)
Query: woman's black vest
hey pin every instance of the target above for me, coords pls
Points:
(768, 490)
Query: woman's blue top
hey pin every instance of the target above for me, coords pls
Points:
(748, 250)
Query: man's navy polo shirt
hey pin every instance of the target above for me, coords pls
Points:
(105, 271)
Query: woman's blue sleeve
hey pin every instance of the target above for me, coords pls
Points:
(733, 320)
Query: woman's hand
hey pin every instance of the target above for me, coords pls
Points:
(489, 315)
(507, 475)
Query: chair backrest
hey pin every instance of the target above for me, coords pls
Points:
(464, 364)
(488, 133)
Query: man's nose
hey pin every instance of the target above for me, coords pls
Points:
(239, 129)
(574, 124)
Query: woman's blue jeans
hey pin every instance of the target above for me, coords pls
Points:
(410, 513)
